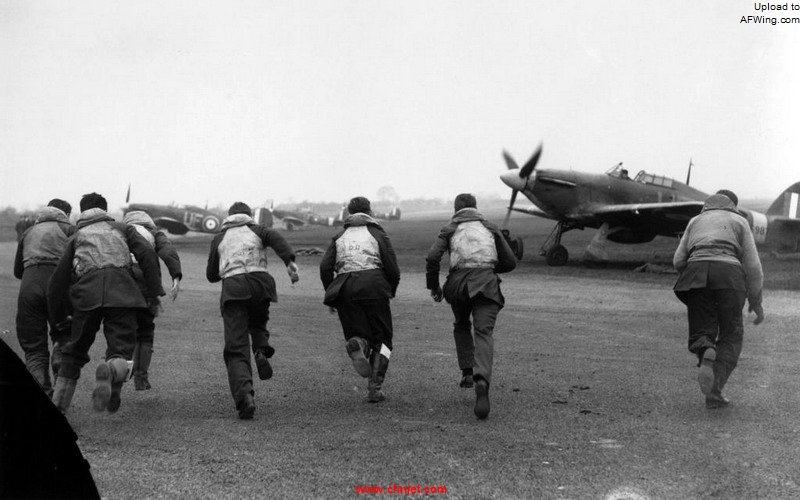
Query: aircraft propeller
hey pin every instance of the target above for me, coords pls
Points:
(528, 168)
(519, 181)
(128, 196)
(510, 205)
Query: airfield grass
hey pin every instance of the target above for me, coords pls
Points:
(593, 394)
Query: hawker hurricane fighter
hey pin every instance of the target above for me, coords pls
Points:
(629, 209)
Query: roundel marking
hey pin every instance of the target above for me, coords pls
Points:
(210, 223)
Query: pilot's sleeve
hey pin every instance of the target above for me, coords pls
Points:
(212, 268)
(388, 258)
(166, 251)
(275, 240)
(19, 265)
(433, 260)
(147, 259)
(751, 262)
(682, 252)
(506, 261)
(327, 265)
(58, 303)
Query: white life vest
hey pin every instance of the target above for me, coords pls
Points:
(98, 246)
(44, 243)
(357, 250)
(471, 246)
(241, 251)
(146, 234)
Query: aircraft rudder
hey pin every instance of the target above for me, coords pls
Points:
(788, 203)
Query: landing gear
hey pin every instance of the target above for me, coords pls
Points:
(554, 252)
(557, 256)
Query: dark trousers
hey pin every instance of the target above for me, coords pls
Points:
(32, 325)
(475, 352)
(243, 320)
(146, 325)
(715, 320)
(119, 328)
(370, 319)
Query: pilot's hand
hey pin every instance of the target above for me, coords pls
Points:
(754, 305)
(292, 269)
(154, 306)
(176, 288)
(437, 294)
(759, 310)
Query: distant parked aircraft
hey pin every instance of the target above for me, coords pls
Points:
(292, 219)
(180, 219)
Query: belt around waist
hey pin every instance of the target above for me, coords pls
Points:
(472, 266)
(40, 264)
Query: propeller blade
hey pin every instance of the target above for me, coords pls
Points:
(528, 168)
(128, 196)
(510, 163)
(510, 206)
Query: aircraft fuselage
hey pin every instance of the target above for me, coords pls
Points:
(180, 219)
(577, 196)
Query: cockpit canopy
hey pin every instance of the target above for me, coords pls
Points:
(621, 172)
(618, 171)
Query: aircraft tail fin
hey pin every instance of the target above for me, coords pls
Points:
(689, 172)
(788, 203)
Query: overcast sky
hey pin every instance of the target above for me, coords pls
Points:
(213, 102)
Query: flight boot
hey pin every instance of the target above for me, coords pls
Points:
(356, 349)
(714, 401)
(42, 377)
(119, 371)
(102, 390)
(246, 407)
(63, 392)
(714, 398)
(481, 398)
(109, 378)
(705, 375)
(142, 355)
(380, 363)
(262, 355)
(467, 381)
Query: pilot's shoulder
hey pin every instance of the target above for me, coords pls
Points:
(491, 226)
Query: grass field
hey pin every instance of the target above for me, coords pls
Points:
(594, 394)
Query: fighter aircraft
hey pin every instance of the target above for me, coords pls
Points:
(629, 210)
(394, 213)
(180, 219)
(295, 218)
(292, 219)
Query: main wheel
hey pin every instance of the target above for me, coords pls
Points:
(557, 256)
(518, 248)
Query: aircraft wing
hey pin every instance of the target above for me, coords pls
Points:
(668, 218)
(786, 222)
(784, 234)
(171, 225)
(166, 219)
(533, 210)
(788, 226)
